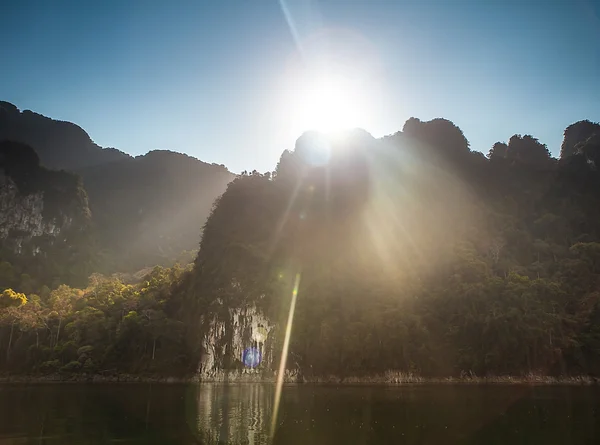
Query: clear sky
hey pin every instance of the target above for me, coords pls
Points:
(217, 78)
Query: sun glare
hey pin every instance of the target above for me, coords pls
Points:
(328, 105)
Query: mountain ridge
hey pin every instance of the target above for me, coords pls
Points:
(19, 125)
(146, 209)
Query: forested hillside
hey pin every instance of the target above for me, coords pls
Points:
(107, 327)
(416, 254)
(145, 210)
(410, 253)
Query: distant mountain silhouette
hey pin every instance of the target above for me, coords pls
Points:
(151, 208)
(146, 210)
(60, 145)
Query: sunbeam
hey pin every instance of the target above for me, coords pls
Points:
(284, 353)
(284, 218)
(290, 21)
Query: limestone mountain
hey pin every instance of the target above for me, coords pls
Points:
(149, 209)
(44, 221)
(60, 145)
(146, 210)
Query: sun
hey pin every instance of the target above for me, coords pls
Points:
(327, 104)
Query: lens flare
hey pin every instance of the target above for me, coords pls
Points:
(251, 357)
(284, 353)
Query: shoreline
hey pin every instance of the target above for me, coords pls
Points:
(389, 379)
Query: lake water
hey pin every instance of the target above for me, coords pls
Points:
(319, 415)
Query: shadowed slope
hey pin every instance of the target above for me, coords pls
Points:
(60, 145)
(146, 210)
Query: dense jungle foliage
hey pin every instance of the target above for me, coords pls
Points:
(109, 327)
(414, 253)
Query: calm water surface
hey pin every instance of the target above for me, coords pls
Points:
(323, 415)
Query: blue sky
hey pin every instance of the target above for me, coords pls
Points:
(211, 78)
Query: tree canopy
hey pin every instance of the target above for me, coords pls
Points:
(415, 253)
(410, 253)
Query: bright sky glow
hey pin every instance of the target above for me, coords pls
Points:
(327, 104)
(211, 78)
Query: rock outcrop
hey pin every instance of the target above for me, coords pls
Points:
(147, 210)
(21, 217)
(245, 329)
(43, 213)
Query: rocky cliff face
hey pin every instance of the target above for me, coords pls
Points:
(43, 214)
(22, 219)
(147, 210)
(249, 335)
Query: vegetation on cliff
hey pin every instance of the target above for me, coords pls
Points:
(410, 253)
(48, 241)
(417, 254)
(145, 210)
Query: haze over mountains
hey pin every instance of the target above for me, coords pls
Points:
(410, 253)
(146, 210)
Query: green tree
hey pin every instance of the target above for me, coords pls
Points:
(10, 303)
(60, 305)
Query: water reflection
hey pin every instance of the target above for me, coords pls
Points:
(408, 415)
(234, 413)
(323, 415)
(94, 414)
